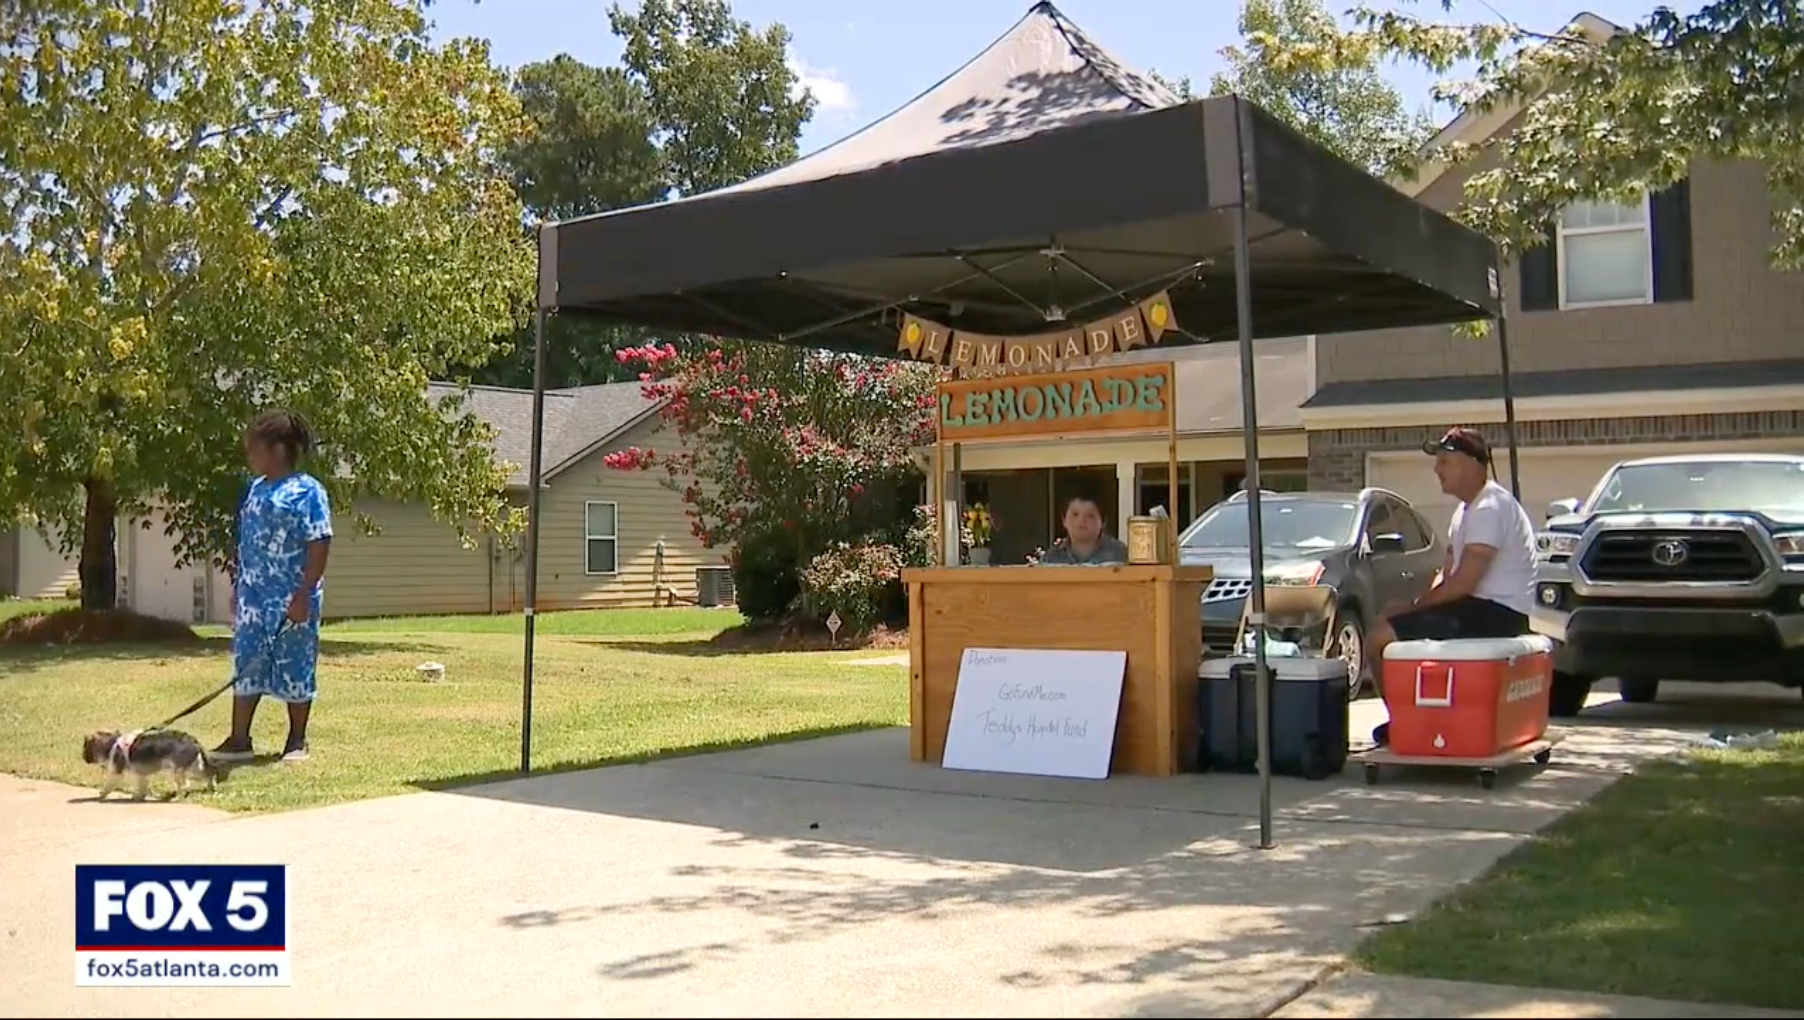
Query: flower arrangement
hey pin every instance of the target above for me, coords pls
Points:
(978, 525)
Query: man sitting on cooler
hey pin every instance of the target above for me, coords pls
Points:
(1487, 580)
(1086, 543)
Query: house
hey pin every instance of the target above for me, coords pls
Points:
(609, 538)
(32, 565)
(1651, 328)
(1024, 482)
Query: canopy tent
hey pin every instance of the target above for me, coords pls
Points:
(1042, 177)
(1043, 182)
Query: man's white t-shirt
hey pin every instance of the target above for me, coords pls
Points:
(1496, 519)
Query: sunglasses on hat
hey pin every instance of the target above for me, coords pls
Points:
(1458, 440)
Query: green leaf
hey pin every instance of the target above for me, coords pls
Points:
(210, 207)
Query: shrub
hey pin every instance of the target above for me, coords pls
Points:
(765, 579)
(855, 581)
(923, 532)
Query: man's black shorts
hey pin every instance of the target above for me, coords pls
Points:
(1469, 617)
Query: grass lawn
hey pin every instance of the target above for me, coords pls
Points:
(10, 607)
(1680, 882)
(610, 687)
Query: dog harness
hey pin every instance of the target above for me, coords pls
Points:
(122, 747)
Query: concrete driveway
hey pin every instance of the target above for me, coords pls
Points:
(828, 878)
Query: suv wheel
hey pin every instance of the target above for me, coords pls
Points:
(1638, 690)
(1349, 646)
(1568, 696)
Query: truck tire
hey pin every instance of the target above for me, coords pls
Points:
(1638, 690)
(1568, 696)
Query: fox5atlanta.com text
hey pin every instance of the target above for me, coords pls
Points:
(181, 924)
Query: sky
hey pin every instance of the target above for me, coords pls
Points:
(863, 60)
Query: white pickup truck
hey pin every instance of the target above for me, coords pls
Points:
(1675, 568)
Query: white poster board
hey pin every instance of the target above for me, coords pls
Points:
(1038, 712)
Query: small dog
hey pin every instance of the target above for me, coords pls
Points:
(144, 755)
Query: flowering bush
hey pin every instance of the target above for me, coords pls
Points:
(919, 543)
(783, 444)
(853, 581)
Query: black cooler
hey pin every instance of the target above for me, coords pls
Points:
(1309, 717)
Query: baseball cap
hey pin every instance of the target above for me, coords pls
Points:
(1461, 440)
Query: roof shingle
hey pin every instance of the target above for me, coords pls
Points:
(576, 420)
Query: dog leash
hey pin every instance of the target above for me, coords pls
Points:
(285, 627)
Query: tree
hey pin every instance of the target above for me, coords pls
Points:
(1345, 105)
(1613, 115)
(210, 207)
(725, 104)
(591, 147)
(1179, 87)
(590, 151)
(703, 101)
(781, 450)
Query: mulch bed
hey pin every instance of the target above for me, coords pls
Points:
(806, 635)
(94, 627)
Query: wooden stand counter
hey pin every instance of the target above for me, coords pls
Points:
(1153, 613)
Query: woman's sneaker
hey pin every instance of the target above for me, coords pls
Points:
(295, 751)
(232, 751)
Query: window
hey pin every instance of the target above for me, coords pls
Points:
(1605, 255)
(1270, 480)
(1381, 519)
(601, 534)
(1417, 534)
(1284, 524)
(1703, 487)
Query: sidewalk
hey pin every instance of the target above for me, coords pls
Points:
(826, 878)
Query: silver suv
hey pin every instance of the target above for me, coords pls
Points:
(1675, 568)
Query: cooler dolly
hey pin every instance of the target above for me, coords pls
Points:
(1474, 703)
(1538, 751)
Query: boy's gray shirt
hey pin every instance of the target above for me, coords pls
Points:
(1109, 551)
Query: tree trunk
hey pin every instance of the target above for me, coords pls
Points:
(99, 546)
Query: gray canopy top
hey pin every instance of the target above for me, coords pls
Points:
(1043, 183)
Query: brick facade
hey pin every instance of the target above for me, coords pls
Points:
(1337, 457)
(1742, 309)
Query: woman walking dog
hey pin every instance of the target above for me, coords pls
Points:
(284, 537)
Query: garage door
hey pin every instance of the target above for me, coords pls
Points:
(1547, 474)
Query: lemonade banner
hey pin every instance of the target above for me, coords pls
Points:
(976, 354)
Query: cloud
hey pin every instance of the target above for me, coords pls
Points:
(831, 95)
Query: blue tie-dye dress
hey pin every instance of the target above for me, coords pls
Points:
(276, 523)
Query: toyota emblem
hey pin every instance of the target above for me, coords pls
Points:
(1670, 552)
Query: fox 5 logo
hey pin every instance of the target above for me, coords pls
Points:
(181, 906)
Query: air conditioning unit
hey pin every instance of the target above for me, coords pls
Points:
(714, 586)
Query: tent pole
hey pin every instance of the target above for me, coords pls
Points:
(534, 481)
(1249, 427)
(1509, 389)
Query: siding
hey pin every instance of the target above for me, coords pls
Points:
(155, 586)
(1337, 457)
(1741, 310)
(648, 512)
(42, 571)
(413, 567)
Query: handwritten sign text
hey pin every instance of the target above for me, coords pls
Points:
(1036, 711)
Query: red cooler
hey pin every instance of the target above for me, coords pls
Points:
(1468, 698)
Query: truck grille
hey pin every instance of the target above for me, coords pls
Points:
(1218, 638)
(1726, 556)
